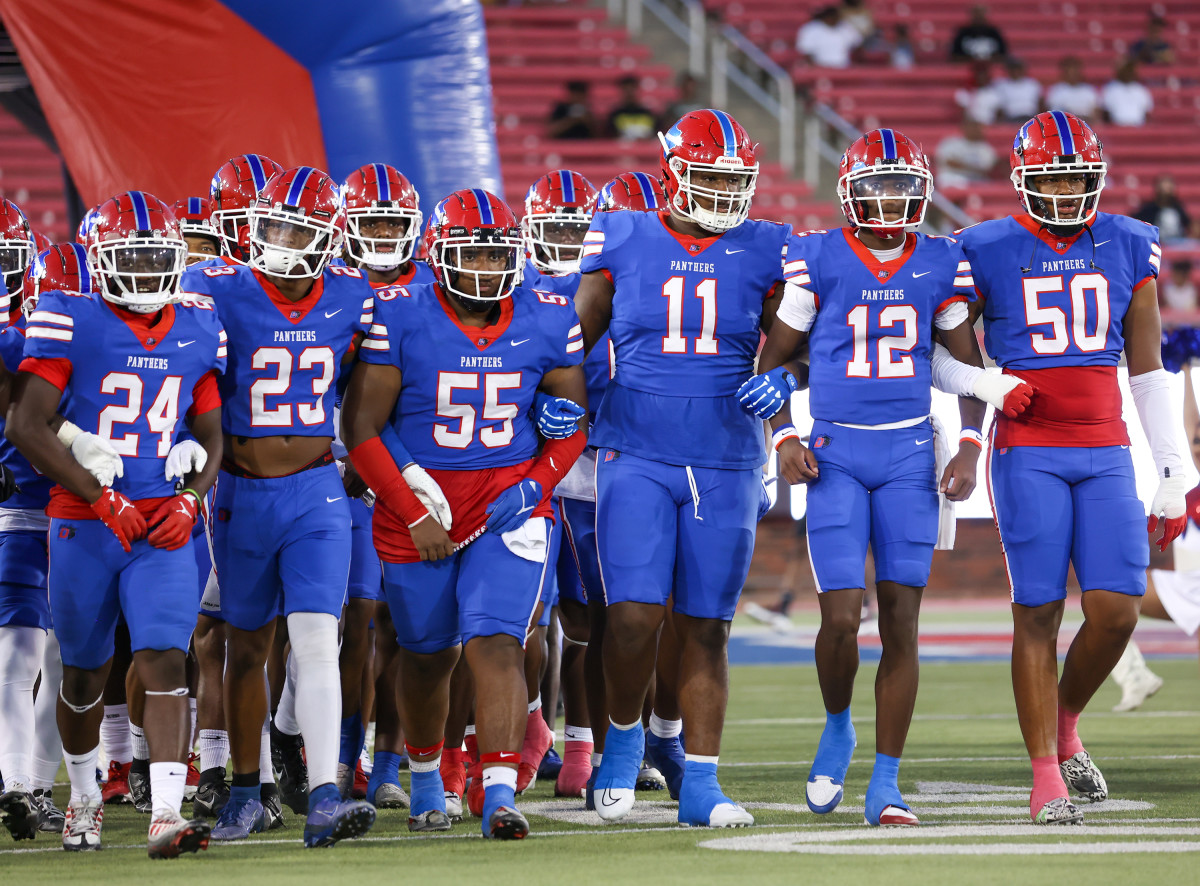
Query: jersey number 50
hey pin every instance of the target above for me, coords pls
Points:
(1060, 338)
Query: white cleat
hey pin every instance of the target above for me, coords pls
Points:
(390, 796)
(823, 794)
(729, 815)
(171, 835)
(1136, 688)
(454, 809)
(81, 828)
(1084, 777)
(613, 804)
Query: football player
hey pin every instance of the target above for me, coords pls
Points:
(281, 538)
(684, 294)
(195, 221)
(1064, 290)
(142, 361)
(478, 584)
(234, 188)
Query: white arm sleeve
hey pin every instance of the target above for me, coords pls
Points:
(950, 375)
(798, 307)
(1152, 397)
(951, 316)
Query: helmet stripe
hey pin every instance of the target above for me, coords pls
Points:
(568, 185)
(381, 176)
(256, 171)
(647, 188)
(485, 206)
(85, 273)
(141, 212)
(298, 184)
(194, 206)
(727, 133)
(889, 144)
(1064, 132)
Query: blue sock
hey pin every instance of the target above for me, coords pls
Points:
(240, 794)
(883, 790)
(699, 792)
(386, 770)
(353, 736)
(495, 796)
(323, 793)
(836, 747)
(427, 792)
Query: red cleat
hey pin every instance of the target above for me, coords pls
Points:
(116, 789)
(359, 791)
(576, 769)
(193, 778)
(538, 740)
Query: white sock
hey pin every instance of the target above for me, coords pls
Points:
(114, 733)
(427, 766)
(20, 660)
(167, 781)
(634, 725)
(499, 775)
(214, 748)
(141, 750)
(697, 758)
(192, 733)
(266, 775)
(81, 769)
(285, 714)
(665, 728)
(318, 692)
(535, 705)
(47, 746)
(596, 758)
(577, 733)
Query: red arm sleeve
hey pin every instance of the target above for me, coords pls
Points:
(205, 396)
(56, 370)
(556, 459)
(375, 465)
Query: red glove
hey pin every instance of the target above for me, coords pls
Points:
(173, 522)
(1017, 400)
(118, 514)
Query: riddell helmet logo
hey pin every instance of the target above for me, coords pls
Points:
(732, 162)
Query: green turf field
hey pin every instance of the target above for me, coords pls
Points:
(965, 774)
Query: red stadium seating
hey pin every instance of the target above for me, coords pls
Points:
(31, 176)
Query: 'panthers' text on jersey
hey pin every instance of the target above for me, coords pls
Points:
(131, 379)
(284, 357)
(467, 394)
(685, 325)
(871, 338)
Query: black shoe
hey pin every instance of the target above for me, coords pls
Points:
(139, 785)
(212, 793)
(507, 823)
(290, 771)
(272, 806)
(19, 814)
(51, 819)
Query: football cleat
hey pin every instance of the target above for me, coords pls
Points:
(702, 803)
(827, 776)
(81, 826)
(50, 817)
(333, 820)
(1083, 777)
(19, 814)
(239, 820)
(650, 779)
(344, 780)
(268, 795)
(666, 755)
(576, 770)
(171, 835)
(433, 820)
(116, 789)
(1060, 810)
(550, 766)
(359, 789)
(894, 816)
(454, 780)
(212, 793)
(193, 778)
(507, 823)
(1135, 678)
(823, 794)
(391, 796)
(616, 782)
(538, 740)
(475, 794)
(291, 772)
(139, 786)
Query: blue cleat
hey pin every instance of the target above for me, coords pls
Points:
(501, 820)
(330, 820)
(239, 819)
(827, 778)
(666, 755)
(549, 768)
(589, 793)
(616, 782)
(703, 804)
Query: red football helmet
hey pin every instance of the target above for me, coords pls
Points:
(63, 267)
(1057, 143)
(709, 168)
(41, 242)
(380, 195)
(297, 224)
(16, 247)
(638, 191)
(137, 252)
(195, 220)
(480, 224)
(234, 188)
(84, 231)
(884, 167)
(558, 212)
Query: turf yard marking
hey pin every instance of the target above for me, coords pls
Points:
(942, 718)
(908, 761)
(1082, 840)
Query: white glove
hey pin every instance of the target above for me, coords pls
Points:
(1007, 393)
(427, 491)
(1170, 499)
(186, 457)
(95, 454)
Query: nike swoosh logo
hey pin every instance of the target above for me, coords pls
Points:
(733, 251)
(922, 274)
(505, 756)
(923, 442)
(332, 500)
(1102, 242)
(604, 800)
(184, 344)
(515, 343)
(329, 314)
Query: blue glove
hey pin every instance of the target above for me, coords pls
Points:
(765, 500)
(514, 506)
(765, 394)
(557, 417)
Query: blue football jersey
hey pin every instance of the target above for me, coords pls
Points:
(467, 394)
(871, 341)
(686, 315)
(563, 284)
(1058, 301)
(130, 390)
(284, 357)
(34, 487)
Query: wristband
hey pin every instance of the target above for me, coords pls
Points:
(971, 435)
(194, 494)
(787, 432)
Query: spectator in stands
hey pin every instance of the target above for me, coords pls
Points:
(965, 157)
(982, 100)
(631, 119)
(903, 55)
(1178, 292)
(856, 15)
(1020, 94)
(826, 41)
(1070, 93)
(688, 99)
(978, 39)
(1125, 99)
(573, 117)
(1166, 212)
(1152, 48)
